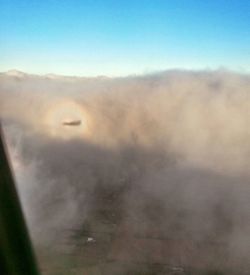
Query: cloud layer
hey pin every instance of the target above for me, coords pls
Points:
(160, 157)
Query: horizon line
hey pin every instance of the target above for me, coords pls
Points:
(17, 72)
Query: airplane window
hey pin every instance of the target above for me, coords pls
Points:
(126, 126)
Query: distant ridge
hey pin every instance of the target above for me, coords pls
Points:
(15, 73)
(19, 74)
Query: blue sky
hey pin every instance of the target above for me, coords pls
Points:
(116, 37)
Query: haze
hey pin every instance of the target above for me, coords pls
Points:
(158, 175)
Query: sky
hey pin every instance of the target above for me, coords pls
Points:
(123, 37)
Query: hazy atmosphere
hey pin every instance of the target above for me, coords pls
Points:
(127, 129)
(157, 172)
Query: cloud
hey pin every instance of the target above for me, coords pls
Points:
(161, 156)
